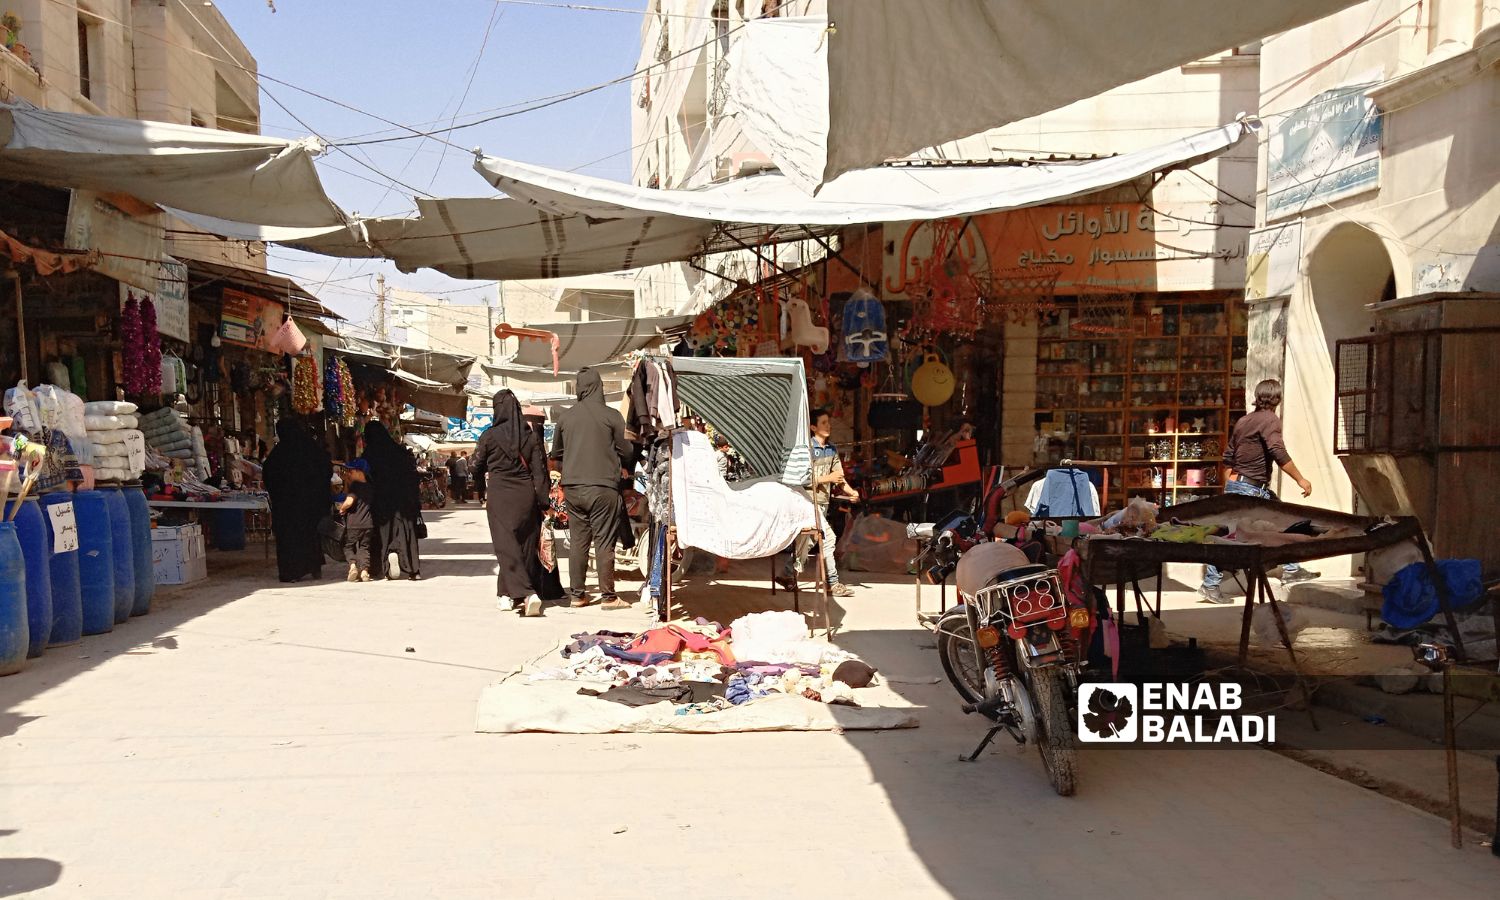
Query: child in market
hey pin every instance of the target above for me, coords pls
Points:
(359, 520)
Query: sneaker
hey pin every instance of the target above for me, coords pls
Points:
(839, 589)
(616, 603)
(505, 604)
(353, 573)
(365, 576)
(533, 606)
(1213, 595)
(1298, 576)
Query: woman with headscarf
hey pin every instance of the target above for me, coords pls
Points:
(297, 472)
(398, 503)
(509, 457)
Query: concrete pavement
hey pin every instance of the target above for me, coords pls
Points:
(253, 739)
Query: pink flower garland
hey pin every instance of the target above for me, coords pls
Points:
(133, 376)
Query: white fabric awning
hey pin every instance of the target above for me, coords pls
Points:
(581, 344)
(882, 194)
(238, 178)
(890, 77)
(496, 237)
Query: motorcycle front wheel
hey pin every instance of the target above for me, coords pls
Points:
(1059, 747)
(955, 646)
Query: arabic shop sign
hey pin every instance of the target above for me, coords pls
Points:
(1272, 259)
(1324, 150)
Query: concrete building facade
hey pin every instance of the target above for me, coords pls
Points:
(1400, 198)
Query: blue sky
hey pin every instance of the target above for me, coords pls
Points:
(409, 63)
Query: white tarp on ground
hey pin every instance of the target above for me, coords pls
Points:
(891, 77)
(882, 194)
(239, 178)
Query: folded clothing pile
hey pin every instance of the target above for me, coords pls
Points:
(115, 444)
(169, 434)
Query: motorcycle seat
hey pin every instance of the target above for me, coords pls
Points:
(1019, 572)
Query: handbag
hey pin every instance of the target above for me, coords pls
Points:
(421, 527)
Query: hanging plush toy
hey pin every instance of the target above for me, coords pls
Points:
(864, 329)
(932, 383)
(802, 332)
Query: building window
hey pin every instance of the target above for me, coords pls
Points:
(85, 44)
(460, 329)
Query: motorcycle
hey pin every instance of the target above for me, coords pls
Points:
(1015, 644)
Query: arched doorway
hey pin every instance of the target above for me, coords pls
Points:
(1345, 271)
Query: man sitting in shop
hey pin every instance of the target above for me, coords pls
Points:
(1255, 446)
(828, 472)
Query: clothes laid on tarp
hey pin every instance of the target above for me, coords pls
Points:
(894, 76)
(241, 178)
(746, 521)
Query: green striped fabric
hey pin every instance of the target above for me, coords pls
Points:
(760, 405)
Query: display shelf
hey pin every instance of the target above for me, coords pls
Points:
(1181, 360)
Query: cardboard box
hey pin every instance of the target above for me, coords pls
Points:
(178, 555)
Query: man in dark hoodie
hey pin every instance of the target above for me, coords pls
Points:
(591, 448)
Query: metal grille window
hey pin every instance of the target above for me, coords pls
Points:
(1385, 392)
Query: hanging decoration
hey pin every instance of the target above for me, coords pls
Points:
(132, 348)
(932, 383)
(333, 390)
(151, 347)
(305, 385)
(865, 339)
(346, 390)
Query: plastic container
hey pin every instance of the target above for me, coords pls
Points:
(140, 538)
(14, 635)
(96, 567)
(122, 552)
(229, 529)
(31, 531)
(67, 602)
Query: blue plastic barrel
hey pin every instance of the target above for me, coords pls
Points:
(14, 636)
(122, 552)
(67, 602)
(31, 531)
(229, 529)
(140, 541)
(96, 567)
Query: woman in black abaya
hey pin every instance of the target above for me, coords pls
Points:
(511, 459)
(398, 502)
(297, 473)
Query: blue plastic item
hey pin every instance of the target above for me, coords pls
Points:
(865, 339)
(67, 602)
(96, 567)
(140, 541)
(31, 531)
(14, 637)
(122, 550)
(229, 529)
(1410, 598)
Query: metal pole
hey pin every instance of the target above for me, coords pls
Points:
(20, 321)
(380, 306)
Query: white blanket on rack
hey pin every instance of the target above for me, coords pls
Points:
(750, 522)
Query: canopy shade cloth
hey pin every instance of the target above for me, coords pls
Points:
(596, 343)
(760, 404)
(242, 178)
(556, 224)
(880, 79)
(495, 237)
(883, 194)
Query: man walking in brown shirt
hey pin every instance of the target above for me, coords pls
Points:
(1255, 446)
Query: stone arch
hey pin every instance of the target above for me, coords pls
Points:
(1349, 268)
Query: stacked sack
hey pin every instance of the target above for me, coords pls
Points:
(116, 445)
(169, 434)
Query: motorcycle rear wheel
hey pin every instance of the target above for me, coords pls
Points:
(1059, 747)
(955, 645)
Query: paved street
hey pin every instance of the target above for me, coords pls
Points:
(251, 739)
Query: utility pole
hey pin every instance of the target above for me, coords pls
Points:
(380, 306)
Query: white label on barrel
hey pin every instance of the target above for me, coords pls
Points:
(64, 528)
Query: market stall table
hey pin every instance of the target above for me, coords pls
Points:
(252, 505)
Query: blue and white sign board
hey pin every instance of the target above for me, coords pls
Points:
(1326, 149)
(472, 426)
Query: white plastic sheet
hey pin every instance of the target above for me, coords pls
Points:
(891, 77)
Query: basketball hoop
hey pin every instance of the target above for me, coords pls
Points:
(1020, 295)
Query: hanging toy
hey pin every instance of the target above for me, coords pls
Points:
(864, 329)
(305, 385)
(802, 331)
(932, 383)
